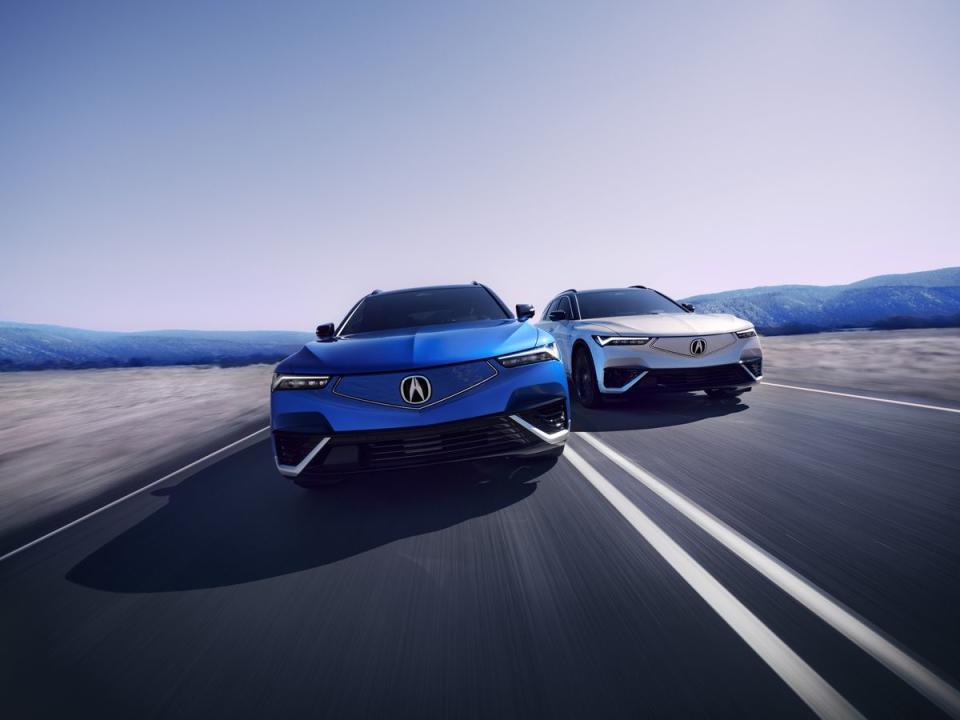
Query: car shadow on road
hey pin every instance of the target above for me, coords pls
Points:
(653, 411)
(239, 521)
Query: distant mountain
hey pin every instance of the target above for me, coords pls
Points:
(41, 347)
(930, 298)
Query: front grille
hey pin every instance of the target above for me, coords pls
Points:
(495, 435)
(550, 418)
(444, 382)
(292, 447)
(681, 379)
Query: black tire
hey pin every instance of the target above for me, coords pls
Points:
(722, 393)
(585, 379)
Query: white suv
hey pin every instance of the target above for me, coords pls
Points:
(638, 340)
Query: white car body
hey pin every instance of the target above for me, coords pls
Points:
(683, 351)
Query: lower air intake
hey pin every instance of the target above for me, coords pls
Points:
(408, 447)
(292, 448)
(550, 418)
(702, 378)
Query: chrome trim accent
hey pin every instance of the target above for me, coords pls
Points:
(414, 381)
(294, 470)
(552, 438)
(756, 378)
(616, 391)
(415, 407)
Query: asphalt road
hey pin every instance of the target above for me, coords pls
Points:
(581, 589)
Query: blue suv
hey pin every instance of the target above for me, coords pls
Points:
(417, 377)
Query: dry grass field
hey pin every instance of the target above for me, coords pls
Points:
(917, 365)
(72, 436)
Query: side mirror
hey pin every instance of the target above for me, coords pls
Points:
(688, 307)
(524, 312)
(325, 332)
(558, 315)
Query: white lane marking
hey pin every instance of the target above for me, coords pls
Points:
(797, 674)
(184, 472)
(863, 397)
(799, 588)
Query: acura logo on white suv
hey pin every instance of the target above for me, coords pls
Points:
(698, 346)
(415, 389)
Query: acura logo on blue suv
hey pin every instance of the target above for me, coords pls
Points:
(698, 346)
(415, 389)
(500, 387)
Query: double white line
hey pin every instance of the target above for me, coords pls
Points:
(804, 680)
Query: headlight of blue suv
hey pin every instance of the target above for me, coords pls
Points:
(299, 382)
(749, 332)
(528, 357)
(604, 340)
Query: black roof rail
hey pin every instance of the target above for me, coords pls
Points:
(640, 287)
(474, 282)
(375, 292)
(567, 290)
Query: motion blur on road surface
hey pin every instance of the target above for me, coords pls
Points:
(506, 590)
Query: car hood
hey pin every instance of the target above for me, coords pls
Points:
(413, 348)
(667, 324)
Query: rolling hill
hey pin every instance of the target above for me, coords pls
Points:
(930, 298)
(41, 347)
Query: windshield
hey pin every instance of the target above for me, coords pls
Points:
(629, 301)
(415, 308)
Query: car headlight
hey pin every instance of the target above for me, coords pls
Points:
(749, 332)
(528, 357)
(299, 382)
(604, 340)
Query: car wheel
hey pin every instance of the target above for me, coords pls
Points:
(585, 379)
(722, 393)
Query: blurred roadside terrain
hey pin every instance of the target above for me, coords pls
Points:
(916, 365)
(71, 440)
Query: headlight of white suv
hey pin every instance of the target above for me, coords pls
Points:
(749, 332)
(604, 340)
(299, 382)
(528, 357)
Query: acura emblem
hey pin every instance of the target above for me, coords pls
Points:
(698, 346)
(415, 389)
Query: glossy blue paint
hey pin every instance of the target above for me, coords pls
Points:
(445, 381)
(512, 390)
(413, 348)
(458, 359)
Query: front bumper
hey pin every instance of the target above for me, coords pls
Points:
(730, 363)
(536, 430)
(737, 375)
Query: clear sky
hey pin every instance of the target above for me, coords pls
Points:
(231, 165)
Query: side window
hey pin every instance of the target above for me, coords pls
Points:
(565, 306)
(550, 308)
